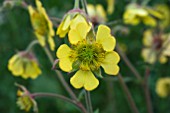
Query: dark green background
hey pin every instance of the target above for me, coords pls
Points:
(16, 33)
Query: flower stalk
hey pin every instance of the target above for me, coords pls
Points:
(88, 102)
(76, 4)
(64, 83)
(77, 104)
(128, 94)
(31, 45)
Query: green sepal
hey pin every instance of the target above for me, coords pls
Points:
(76, 65)
(90, 37)
(98, 73)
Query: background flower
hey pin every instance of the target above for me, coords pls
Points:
(42, 25)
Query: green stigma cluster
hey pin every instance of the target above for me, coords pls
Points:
(88, 55)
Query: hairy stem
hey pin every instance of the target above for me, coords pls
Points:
(31, 45)
(128, 63)
(88, 102)
(147, 92)
(84, 4)
(128, 94)
(77, 104)
(64, 83)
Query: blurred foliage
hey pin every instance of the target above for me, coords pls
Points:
(16, 33)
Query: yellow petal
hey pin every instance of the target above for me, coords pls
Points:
(148, 38)
(31, 70)
(60, 32)
(150, 21)
(91, 10)
(51, 43)
(100, 11)
(79, 33)
(163, 59)
(40, 38)
(17, 67)
(65, 64)
(110, 6)
(63, 53)
(38, 4)
(12, 61)
(76, 20)
(66, 22)
(84, 79)
(149, 55)
(110, 63)
(104, 37)
(31, 10)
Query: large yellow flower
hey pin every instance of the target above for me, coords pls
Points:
(135, 14)
(163, 87)
(42, 25)
(156, 47)
(96, 13)
(25, 65)
(87, 55)
(70, 20)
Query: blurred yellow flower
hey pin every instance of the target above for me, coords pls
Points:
(163, 87)
(157, 46)
(25, 65)
(135, 14)
(96, 13)
(70, 20)
(110, 6)
(165, 11)
(25, 101)
(88, 55)
(42, 25)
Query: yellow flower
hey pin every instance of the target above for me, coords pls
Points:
(165, 11)
(70, 20)
(163, 87)
(42, 25)
(135, 14)
(87, 55)
(156, 45)
(110, 6)
(25, 100)
(25, 65)
(96, 13)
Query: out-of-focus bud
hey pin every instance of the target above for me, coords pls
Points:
(24, 64)
(25, 101)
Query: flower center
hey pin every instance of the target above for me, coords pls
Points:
(157, 42)
(89, 56)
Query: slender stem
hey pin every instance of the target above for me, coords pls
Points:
(60, 75)
(128, 63)
(77, 104)
(147, 92)
(88, 102)
(55, 19)
(145, 2)
(128, 94)
(84, 4)
(31, 45)
(76, 4)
